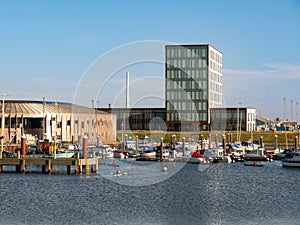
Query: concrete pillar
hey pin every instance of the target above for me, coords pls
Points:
(209, 141)
(96, 167)
(85, 147)
(161, 147)
(23, 146)
(173, 141)
(261, 141)
(77, 164)
(275, 141)
(296, 142)
(87, 167)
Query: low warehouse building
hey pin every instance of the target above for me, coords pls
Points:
(62, 121)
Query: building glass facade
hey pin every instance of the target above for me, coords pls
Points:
(193, 84)
(138, 118)
(243, 119)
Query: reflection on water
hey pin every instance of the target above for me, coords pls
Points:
(186, 194)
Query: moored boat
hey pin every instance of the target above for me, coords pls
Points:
(119, 154)
(148, 152)
(216, 155)
(253, 163)
(256, 155)
(197, 158)
(48, 148)
(291, 160)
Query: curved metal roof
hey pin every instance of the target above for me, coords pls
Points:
(38, 108)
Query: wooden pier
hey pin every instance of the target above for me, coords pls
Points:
(88, 165)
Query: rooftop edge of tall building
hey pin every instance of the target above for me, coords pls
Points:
(191, 45)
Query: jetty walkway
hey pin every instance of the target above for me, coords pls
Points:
(86, 165)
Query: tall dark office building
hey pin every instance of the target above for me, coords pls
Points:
(193, 85)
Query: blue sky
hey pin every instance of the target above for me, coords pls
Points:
(46, 47)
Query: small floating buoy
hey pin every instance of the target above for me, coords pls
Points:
(117, 173)
(165, 169)
(125, 173)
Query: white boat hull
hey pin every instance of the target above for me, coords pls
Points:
(195, 160)
(290, 163)
(148, 155)
(119, 155)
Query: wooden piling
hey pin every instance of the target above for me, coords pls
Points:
(261, 141)
(223, 142)
(23, 165)
(23, 146)
(276, 141)
(85, 147)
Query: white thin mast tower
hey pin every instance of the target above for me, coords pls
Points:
(284, 108)
(127, 105)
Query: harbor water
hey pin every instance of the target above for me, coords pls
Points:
(146, 194)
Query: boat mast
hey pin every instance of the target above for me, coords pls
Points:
(2, 122)
(237, 125)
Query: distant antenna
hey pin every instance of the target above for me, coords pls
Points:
(127, 90)
(284, 108)
(297, 111)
